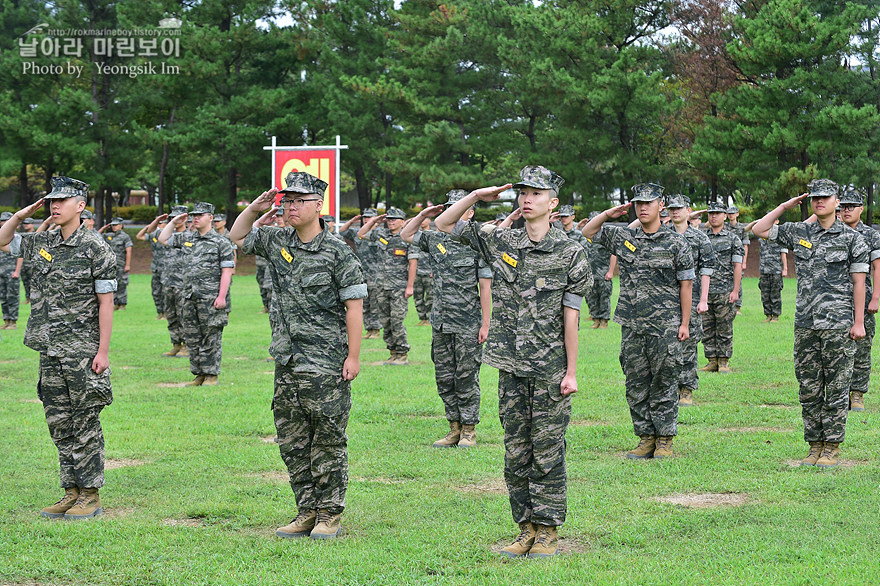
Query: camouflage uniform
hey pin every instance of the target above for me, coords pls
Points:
(740, 231)
(159, 251)
(455, 320)
(119, 242)
(771, 282)
(204, 257)
(9, 286)
(862, 360)
(823, 350)
(423, 289)
(532, 283)
(394, 255)
(312, 401)
(704, 264)
(264, 281)
(652, 267)
(63, 327)
(599, 297)
(368, 253)
(718, 320)
(27, 267)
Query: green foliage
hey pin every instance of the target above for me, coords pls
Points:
(138, 214)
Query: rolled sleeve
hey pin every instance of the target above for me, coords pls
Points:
(875, 254)
(708, 271)
(417, 240)
(353, 292)
(685, 275)
(15, 246)
(105, 285)
(485, 273)
(573, 301)
(736, 258)
(412, 253)
(773, 235)
(227, 264)
(859, 267)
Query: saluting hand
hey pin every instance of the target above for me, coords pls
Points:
(432, 212)
(618, 211)
(490, 193)
(30, 210)
(264, 200)
(795, 201)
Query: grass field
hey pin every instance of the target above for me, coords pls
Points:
(195, 487)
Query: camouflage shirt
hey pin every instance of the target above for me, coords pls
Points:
(425, 268)
(204, 257)
(456, 307)
(173, 265)
(119, 242)
(823, 262)
(159, 251)
(651, 268)
(394, 254)
(770, 259)
(575, 235)
(704, 260)
(367, 251)
(312, 281)
(65, 281)
(533, 281)
(740, 230)
(7, 264)
(600, 257)
(872, 239)
(728, 249)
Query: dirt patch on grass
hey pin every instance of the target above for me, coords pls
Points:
(705, 500)
(130, 367)
(490, 486)
(567, 546)
(755, 429)
(172, 385)
(841, 464)
(381, 480)
(269, 439)
(114, 463)
(188, 522)
(588, 423)
(776, 406)
(33, 401)
(275, 476)
(117, 512)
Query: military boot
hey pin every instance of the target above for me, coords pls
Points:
(711, 367)
(391, 358)
(664, 447)
(398, 359)
(57, 510)
(523, 542)
(468, 437)
(603, 324)
(5, 324)
(856, 401)
(724, 365)
(767, 320)
(546, 543)
(774, 319)
(211, 380)
(196, 382)
(830, 455)
(174, 351)
(160, 316)
(371, 335)
(301, 526)
(814, 454)
(645, 449)
(264, 310)
(452, 438)
(184, 351)
(11, 325)
(327, 526)
(88, 504)
(685, 397)
(596, 322)
(423, 322)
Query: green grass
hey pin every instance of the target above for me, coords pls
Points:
(207, 491)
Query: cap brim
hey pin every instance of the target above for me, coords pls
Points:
(532, 184)
(58, 195)
(643, 198)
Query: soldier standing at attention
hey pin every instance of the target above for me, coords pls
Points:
(70, 326)
(27, 267)
(10, 272)
(399, 262)
(173, 268)
(220, 227)
(603, 264)
(831, 261)
(150, 233)
(653, 310)
(120, 243)
(423, 286)
(208, 264)
(330, 223)
(87, 217)
(773, 267)
(459, 319)
(742, 232)
(723, 292)
(541, 277)
(316, 347)
(367, 251)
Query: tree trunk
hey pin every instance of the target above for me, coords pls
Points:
(363, 189)
(99, 207)
(232, 196)
(163, 165)
(24, 196)
(387, 190)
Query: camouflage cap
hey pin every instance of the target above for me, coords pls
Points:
(178, 211)
(647, 192)
(220, 217)
(5, 216)
(302, 182)
(328, 218)
(678, 201)
(566, 211)
(500, 217)
(664, 213)
(732, 210)
(279, 212)
(455, 195)
(117, 221)
(716, 207)
(593, 214)
(395, 214)
(852, 196)
(85, 215)
(539, 177)
(823, 188)
(369, 213)
(64, 187)
(202, 207)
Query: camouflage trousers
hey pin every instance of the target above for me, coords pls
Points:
(534, 415)
(120, 297)
(652, 365)
(689, 378)
(73, 396)
(27, 272)
(771, 293)
(423, 293)
(371, 307)
(172, 302)
(311, 415)
(10, 296)
(457, 371)
(862, 360)
(264, 281)
(392, 308)
(823, 365)
(156, 287)
(203, 332)
(739, 299)
(599, 298)
(718, 327)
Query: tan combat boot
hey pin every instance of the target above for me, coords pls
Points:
(391, 358)
(603, 324)
(398, 360)
(711, 367)
(57, 510)
(184, 351)
(814, 454)
(724, 365)
(88, 504)
(328, 525)
(301, 526)
(523, 542)
(645, 449)
(596, 322)
(196, 382)
(371, 335)
(174, 351)
(264, 310)
(423, 322)
(160, 316)
(211, 380)
(546, 543)
(856, 401)
(774, 319)
(830, 455)
(468, 437)
(11, 325)
(5, 323)
(452, 438)
(767, 319)
(685, 397)
(664, 447)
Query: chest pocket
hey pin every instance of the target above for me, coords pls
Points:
(722, 247)
(503, 270)
(318, 289)
(663, 259)
(802, 252)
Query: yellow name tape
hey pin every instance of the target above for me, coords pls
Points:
(400, 252)
(155, 240)
(805, 244)
(286, 255)
(441, 248)
(509, 259)
(383, 241)
(187, 243)
(629, 245)
(45, 254)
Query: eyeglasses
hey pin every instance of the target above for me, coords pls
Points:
(297, 202)
(848, 207)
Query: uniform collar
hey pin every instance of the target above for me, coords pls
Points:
(834, 228)
(315, 243)
(75, 239)
(547, 243)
